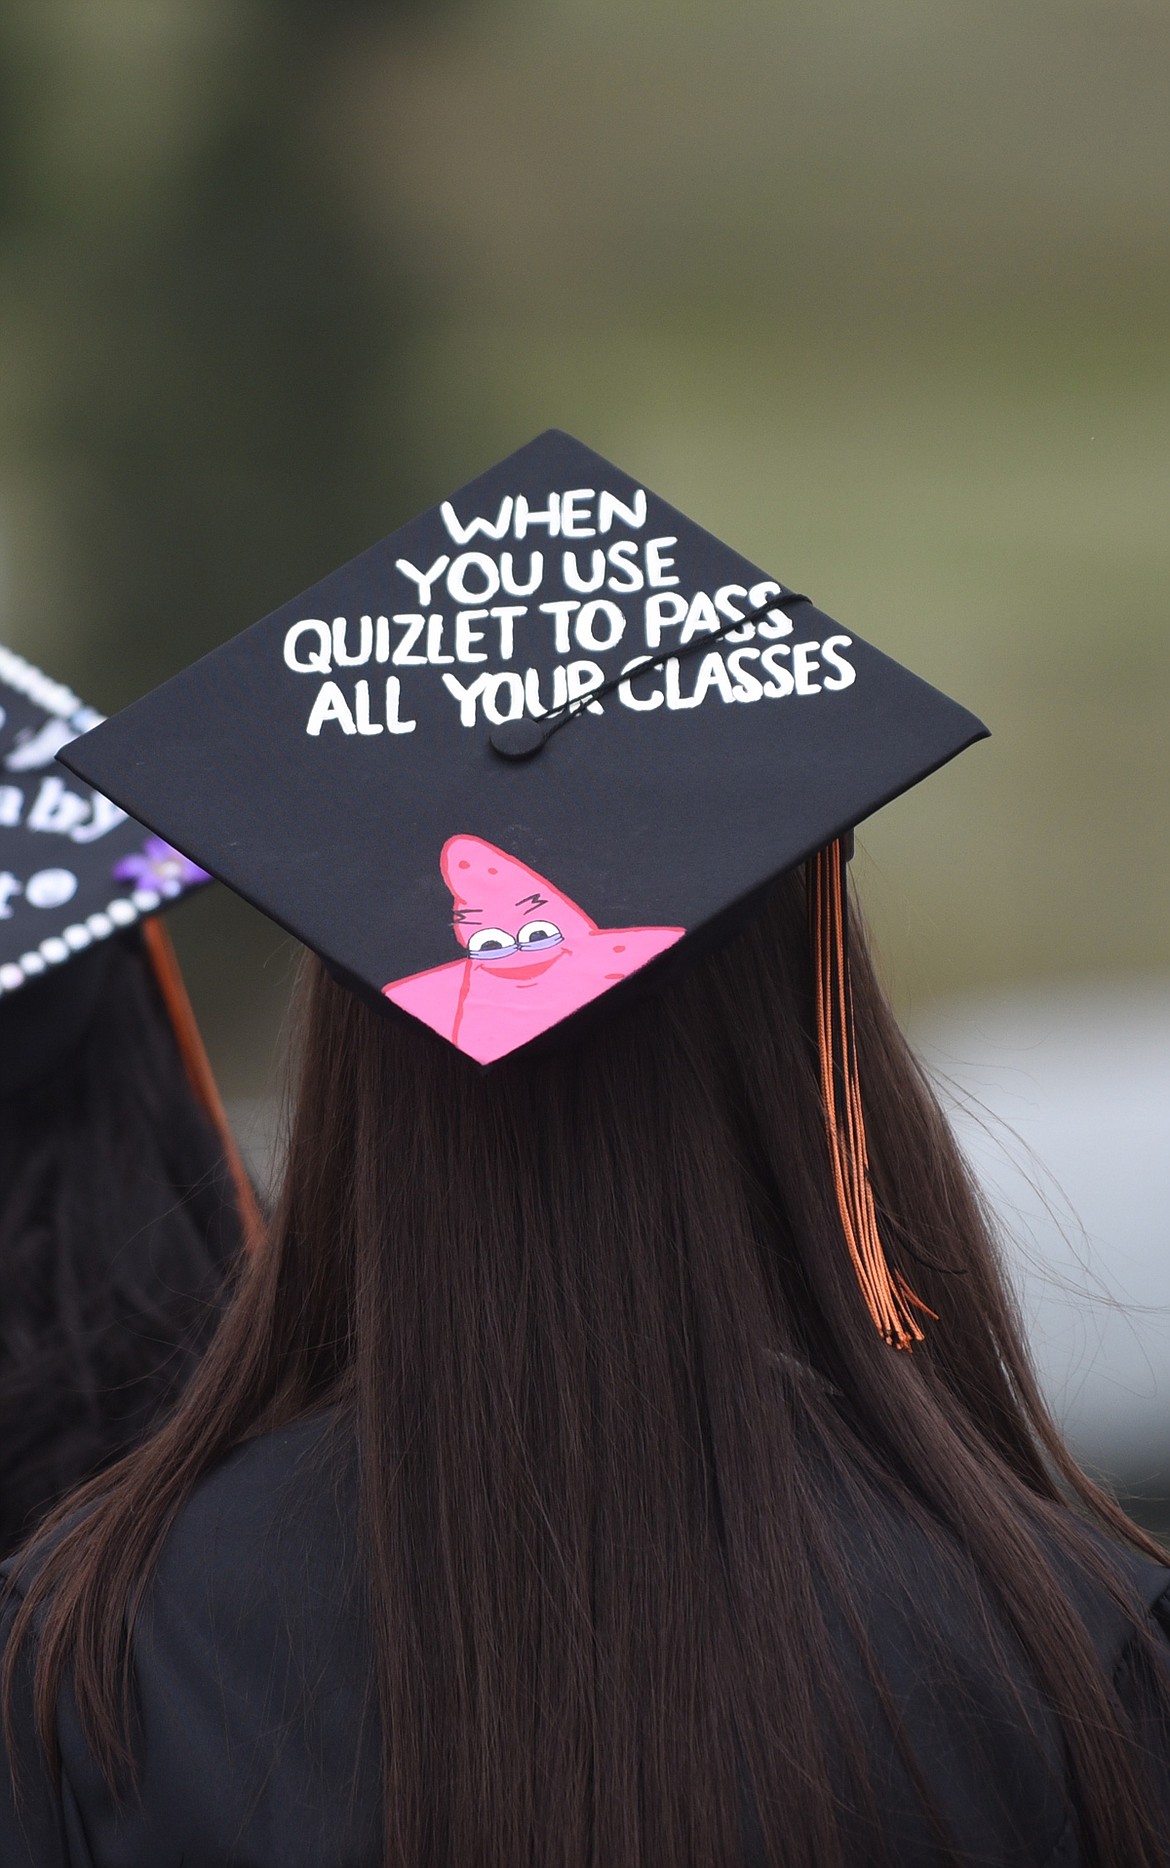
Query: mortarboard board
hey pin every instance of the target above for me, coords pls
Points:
(527, 749)
(74, 868)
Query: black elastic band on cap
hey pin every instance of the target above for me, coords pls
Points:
(521, 738)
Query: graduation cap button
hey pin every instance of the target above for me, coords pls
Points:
(518, 739)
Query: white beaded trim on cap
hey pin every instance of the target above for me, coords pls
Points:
(122, 912)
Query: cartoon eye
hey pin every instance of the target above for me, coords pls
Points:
(490, 941)
(539, 934)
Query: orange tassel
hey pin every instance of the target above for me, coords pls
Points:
(890, 1300)
(197, 1065)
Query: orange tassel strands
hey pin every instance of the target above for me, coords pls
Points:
(197, 1065)
(892, 1304)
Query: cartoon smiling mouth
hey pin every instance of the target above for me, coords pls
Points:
(507, 969)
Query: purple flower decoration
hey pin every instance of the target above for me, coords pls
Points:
(160, 868)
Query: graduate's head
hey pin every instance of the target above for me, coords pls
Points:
(122, 1199)
(510, 822)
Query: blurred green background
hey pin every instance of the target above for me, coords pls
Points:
(876, 289)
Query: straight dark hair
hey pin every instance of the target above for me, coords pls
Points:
(118, 1227)
(571, 1306)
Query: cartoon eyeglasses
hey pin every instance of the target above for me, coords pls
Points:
(493, 943)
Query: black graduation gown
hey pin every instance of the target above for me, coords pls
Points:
(258, 1748)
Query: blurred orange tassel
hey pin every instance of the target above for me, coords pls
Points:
(197, 1064)
(891, 1302)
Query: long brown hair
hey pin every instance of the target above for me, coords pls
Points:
(118, 1226)
(573, 1306)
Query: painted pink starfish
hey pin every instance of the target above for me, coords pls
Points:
(532, 956)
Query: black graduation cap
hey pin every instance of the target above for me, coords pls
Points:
(530, 752)
(504, 759)
(74, 869)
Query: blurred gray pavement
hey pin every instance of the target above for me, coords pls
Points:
(1061, 1100)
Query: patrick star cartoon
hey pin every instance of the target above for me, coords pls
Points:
(531, 955)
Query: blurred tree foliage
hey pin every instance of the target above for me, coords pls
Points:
(192, 321)
(204, 338)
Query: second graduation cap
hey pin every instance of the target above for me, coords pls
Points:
(74, 869)
(354, 764)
